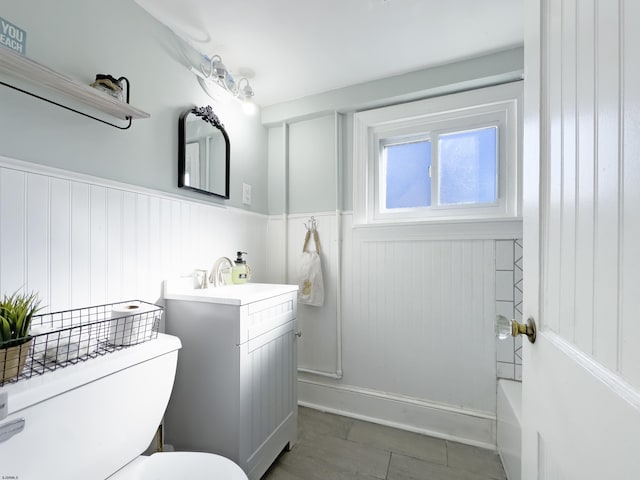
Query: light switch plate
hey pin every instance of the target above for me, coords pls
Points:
(246, 194)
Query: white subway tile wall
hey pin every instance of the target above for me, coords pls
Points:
(509, 304)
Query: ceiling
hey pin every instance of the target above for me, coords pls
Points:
(294, 48)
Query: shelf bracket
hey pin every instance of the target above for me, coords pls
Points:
(73, 109)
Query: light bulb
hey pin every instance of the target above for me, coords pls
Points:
(248, 107)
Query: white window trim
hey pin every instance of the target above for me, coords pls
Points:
(500, 104)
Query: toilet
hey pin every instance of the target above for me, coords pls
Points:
(95, 419)
(191, 465)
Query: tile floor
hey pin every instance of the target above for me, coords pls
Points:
(331, 447)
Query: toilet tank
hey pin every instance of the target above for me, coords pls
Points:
(86, 421)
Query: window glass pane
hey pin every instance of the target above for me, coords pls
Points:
(468, 166)
(407, 175)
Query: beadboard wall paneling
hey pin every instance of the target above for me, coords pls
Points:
(13, 229)
(57, 291)
(417, 339)
(277, 245)
(38, 230)
(80, 234)
(318, 346)
(79, 240)
(422, 322)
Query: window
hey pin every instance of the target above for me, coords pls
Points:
(448, 158)
(406, 174)
(468, 167)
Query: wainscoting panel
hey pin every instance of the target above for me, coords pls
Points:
(12, 229)
(422, 322)
(56, 292)
(79, 240)
(417, 344)
(39, 233)
(320, 343)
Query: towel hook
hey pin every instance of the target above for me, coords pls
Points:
(313, 224)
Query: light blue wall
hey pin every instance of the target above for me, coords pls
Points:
(312, 176)
(310, 132)
(80, 38)
(301, 164)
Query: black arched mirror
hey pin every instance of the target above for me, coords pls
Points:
(203, 156)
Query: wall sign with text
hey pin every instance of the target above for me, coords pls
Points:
(12, 37)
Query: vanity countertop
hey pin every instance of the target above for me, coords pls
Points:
(228, 295)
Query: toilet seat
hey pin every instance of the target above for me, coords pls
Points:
(173, 465)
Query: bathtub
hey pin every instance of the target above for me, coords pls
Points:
(509, 431)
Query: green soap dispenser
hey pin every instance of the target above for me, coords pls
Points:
(240, 273)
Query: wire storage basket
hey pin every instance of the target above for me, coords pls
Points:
(68, 337)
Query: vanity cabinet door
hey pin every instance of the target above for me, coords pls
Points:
(268, 397)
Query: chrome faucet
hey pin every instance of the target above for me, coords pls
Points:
(219, 271)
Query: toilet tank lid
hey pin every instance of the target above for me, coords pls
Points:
(25, 393)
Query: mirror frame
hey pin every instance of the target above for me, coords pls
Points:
(207, 115)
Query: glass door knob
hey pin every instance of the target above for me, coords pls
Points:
(506, 328)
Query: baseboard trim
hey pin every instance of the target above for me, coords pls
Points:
(414, 415)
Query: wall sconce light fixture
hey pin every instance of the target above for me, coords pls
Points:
(216, 73)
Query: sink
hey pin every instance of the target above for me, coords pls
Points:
(182, 289)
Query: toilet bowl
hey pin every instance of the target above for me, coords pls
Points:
(95, 419)
(176, 465)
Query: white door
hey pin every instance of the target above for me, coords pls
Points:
(581, 379)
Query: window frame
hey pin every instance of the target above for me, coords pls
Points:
(498, 106)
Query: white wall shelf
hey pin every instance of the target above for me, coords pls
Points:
(35, 73)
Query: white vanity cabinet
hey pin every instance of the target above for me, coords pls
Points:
(235, 390)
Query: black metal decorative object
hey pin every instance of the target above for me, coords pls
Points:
(208, 116)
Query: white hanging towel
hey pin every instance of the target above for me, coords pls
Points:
(310, 285)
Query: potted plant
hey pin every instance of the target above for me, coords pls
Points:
(16, 312)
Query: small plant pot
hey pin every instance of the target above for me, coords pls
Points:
(12, 360)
